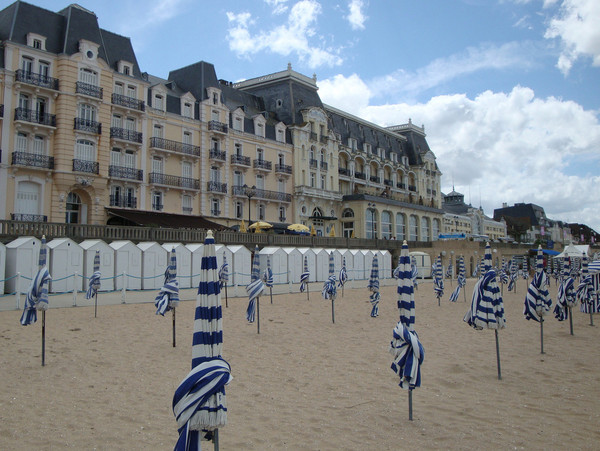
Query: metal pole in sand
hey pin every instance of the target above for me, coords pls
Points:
(542, 334)
(174, 327)
(258, 315)
(498, 355)
(43, 337)
(410, 409)
(571, 319)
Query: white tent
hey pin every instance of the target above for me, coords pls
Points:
(22, 256)
(154, 265)
(358, 264)
(294, 263)
(65, 258)
(240, 265)
(196, 250)
(368, 255)
(222, 250)
(184, 263)
(312, 262)
(128, 260)
(279, 263)
(2, 266)
(107, 263)
(583, 248)
(570, 251)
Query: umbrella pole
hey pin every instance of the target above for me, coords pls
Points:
(439, 301)
(591, 316)
(43, 337)
(96, 306)
(307, 292)
(258, 315)
(216, 439)
(498, 355)
(173, 327)
(271, 293)
(342, 290)
(410, 415)
(542, 334)
(226, 303)
(333, 311)
(571, 319)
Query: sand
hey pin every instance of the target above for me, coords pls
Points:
(303, 383)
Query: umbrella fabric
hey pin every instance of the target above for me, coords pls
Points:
(513, 275)
(304, 276)
(199, 402)
(408, 355)
(585, 289)
(504, 272)
(224, 273)
(329, 288)
(168, 296)
(37, 295)
(461, 280)
(260, 225)
(373, 286)
(343, 274)
(414, 271)
(406, 290)
(449, 270)
(298, 228)
(94, 284)
(255, 288)
(566, 296)
(396, 271)
(268, 274)
(537, 301)
(525, 269)
(487, 307)
(438, 279)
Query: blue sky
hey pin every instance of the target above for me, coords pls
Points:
(508, 90)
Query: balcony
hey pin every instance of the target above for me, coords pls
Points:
(217, 126)
(374, 179)
(388, 182)
(43, 81)
(237, 190)
(283, 169)
(219, 155)
(89, 90)
(313, 164)
(122, 201)
(32, 160)
(401, 185)
(360, 175)
(174, 146)
(240, 160)
(87, 126)
(26, 217)
(324, 166)
(344, 171)
(126, 135)
(128, 102)
(34, 116)
(216, 187)
(122, 172)
(91, 167)
(412, 188)
(156, 206)
(214, 212)
(173, 180)
(187, 210)
(323, 139)
(262, 165)
(313, 136)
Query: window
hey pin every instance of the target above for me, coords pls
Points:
(261, 212)
(280, 135)
(37, 44)
(27, 65)
(347, 226)
(215, 207)
(238, 149)
(88, 76)
(28, 198)
(312, 179)
(215, 174)
(186, 203)
(281, 214)
(215, 115)
(322, 182)
(157, 165)
(239, 209)
(371, 222)
(21, 142)
(44, 70)
(187, 138)
(158, 102)
(157, 131)
(238, 123)
(413, 228)
(260, 130)
(119, 88)
(187, 109)
(116, 121)
(87, 112)
(157, 201)
(73, 208)
(39, 145)
(260, 182)
(129, 159)
(130, 124)
(186, 170)
(436, 229)
(386, 225)
(115, 157)
(238, 179)
(131, 91)
(400, 226)
(85, 150)
(260, 153)
(281, 185)
(24, 101)
(281, 159)
(317, 214)
(215, 98)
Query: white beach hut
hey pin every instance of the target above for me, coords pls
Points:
(294, 263)
(358, 265)
(2, 266)
(368, 255)
(312, 261)
(385, 263)
(128, 260)
(154, 264)
(321, 264)
(279, 263)
(65, 258)
(240, 265)
(22, 256)
(184, 263)
(196, 250)
(107, 263)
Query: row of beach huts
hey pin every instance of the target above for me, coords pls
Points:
(142, 266)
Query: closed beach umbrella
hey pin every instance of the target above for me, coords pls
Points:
(461, 280)
(94, 283)
(438, 279)
(268, 278)
(37, 296)
(168, 296)
(224, 277)
(254, 290)
(343, 275)
(503, 275)
(537, 301)
(585, 294)
(406, 293)
(373, 286)
(566, 298)
(512, 285)
(329, 287)
(525, 269)
(487, 307)
(304, 278)
(414, 272)
(199, 403)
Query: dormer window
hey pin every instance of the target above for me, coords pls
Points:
(159, 102)
(260, 130)
(125, 67)
(215, 98)
(259, 125)
(187, 109)
(36, 41)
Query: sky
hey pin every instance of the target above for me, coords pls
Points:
(508, 90)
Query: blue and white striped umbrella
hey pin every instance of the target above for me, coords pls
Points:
(408, 355)
(329, 286)
(373, 286)
(406, 290)
(513, 275)
(482, 266)
(199, 403)
(525, 269)
(566, 297)
(585, 295)
(537, 301)
(343, 278)
(37, 295)
(224, 272)
(94, 283)
(438, 279)
(504, 272)
(414, 271)
(256, 287)
(487, 307)
(304, 276)
(168, 296)
(268, 274)
(461, 280)
(449, 270)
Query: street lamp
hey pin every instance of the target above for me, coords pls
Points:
(371, 208)
(250, 192)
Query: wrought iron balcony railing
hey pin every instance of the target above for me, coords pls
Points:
(217, 126)
(87, 126)
(89, 90)
(388, 182)
(91, 167)
(262, 164)
(283, 168)
(157, 206)
(401, 185)
(240, 160)
(214, 212)
(216, 154)
(323, 139)
(29, 115)
(375, 179)
(313, 136)
(237, 190)
(324, 165)
(26, 217)
(344, 171)
(122, 201)
(128, 102)
(123, 172)
(42, 81)
(173, 180)
(412, 188)
(216, 187)
(187, 210)
(175, 146)
(313, 163)
(127, 135)
(360, 175)
(32, 160)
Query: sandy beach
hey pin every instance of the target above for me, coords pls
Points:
(303, 383)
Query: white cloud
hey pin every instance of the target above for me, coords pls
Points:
(295, 36)
(356, 16)
(576, 26)
(279, 6)
(511, 147)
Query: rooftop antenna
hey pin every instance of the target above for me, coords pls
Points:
(480, 197)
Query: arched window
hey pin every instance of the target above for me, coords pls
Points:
(436, 229)
(424, 229)
(386, 225)
(317, 214)
(73, 209)
(371, 223)
(400, 226)
(347, 223)
(414, 228)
